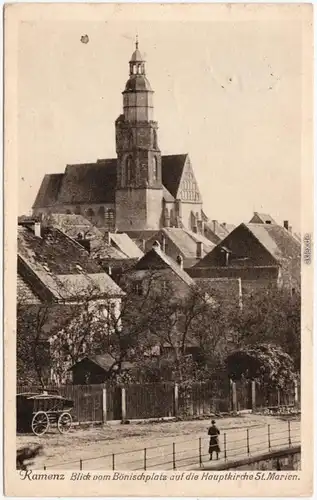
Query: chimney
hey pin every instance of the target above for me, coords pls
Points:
(180, 262)
(286, 225)
(108, 238)
(37, 229)
(214, 225)
(224, 224)
(199, 250)
(163, 243)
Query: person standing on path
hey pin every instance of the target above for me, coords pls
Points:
(214, 432)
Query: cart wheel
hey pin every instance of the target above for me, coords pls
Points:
(40, 423)
(64, 423)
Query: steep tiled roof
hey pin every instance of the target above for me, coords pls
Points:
(59, 253)
(157, 259)
(126, 245)
(217, 229)
(59, 268)
(259, 218)
(186, 241)
(172, 169)
(277, 240)
(89, 183)
(49, 190)
(72, 225)
(167, 195)
(25, 294)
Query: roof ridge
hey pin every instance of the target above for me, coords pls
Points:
(173, 265)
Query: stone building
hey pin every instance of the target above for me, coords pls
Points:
(140, 189)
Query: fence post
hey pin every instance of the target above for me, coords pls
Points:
(200, 457)
(253, 395)
(234, 397)
(123, 404)
(269, 437)
(289, 433)
(104, 405)
(248, 442)
(80, 464)
(225, 445)
(278, 398)
(174, 460)
(176, 400)
(295, 393)
(144, 459)
(113, 462)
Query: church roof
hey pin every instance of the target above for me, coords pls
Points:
(49, 190)
(96, 182)
(172, 169)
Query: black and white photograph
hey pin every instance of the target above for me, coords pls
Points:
(160, 243)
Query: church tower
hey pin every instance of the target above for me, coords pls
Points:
(139, 191)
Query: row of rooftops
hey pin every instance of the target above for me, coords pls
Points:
(66, 255)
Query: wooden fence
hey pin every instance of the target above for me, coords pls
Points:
(101, 403)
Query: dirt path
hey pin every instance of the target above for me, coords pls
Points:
(95, 446)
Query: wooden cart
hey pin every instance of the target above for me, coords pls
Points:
(37, 412)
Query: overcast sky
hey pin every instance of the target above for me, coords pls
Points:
(226, 92)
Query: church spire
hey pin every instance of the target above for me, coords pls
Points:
(137, 61)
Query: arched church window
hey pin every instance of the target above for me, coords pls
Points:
(128, 170)
(154, 139)
(155, 169)
(134, 69)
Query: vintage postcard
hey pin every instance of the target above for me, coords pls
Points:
(158, 250)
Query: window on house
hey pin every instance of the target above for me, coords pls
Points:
(138, 289)
(164, 286)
